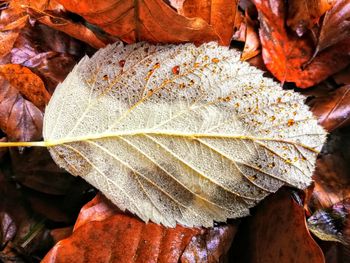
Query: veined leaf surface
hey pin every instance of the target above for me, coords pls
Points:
(180, 134)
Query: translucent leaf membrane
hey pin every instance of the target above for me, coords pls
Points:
(180, 134)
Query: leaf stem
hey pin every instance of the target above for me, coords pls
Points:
(23, 144)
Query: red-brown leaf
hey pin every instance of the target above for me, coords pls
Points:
(331, 177)
(48, 53)
(304, 14)
(333, 109)
(277, 232)
(335, 25)
(124, 238)
(76, 30)
(20, 119)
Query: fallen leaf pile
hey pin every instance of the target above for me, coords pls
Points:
(47, 214)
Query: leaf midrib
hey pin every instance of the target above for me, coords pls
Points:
(192, 136)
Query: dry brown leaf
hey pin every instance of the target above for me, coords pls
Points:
(332, 223)
(277, 232)
(335, 25)
(27, 83)
(76, 30)
(286, 55)
(20, 119)
(211, 247)
(304, 14)
(49, 53)
(342, 77)
(14, 17)
(35, 169)
(151, 20)
(331, 177)
(333, 109)
(220, 14)
(252, 42)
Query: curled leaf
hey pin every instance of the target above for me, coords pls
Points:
(179, 133)
(76, 30)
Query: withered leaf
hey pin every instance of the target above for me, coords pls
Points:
(76, 30)
(151, 20)
(48, 53)
(335, 25)
(27, 83)
(333, 223)
(277, 232)
(14, 17)
(332, 183)
(20, 119)
(286, 55)
(252, 41)
(220, 14)
(333, 109)
(179, 133)
(304, 14)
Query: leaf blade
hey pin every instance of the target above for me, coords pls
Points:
(179, 134)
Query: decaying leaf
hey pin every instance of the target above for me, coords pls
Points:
(179, 133)
(331, 176)
(76, 30)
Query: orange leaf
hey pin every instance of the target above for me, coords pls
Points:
(28, 83)
(123, 238)
(151, 20)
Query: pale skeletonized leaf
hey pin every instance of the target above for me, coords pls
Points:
(179, 133)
